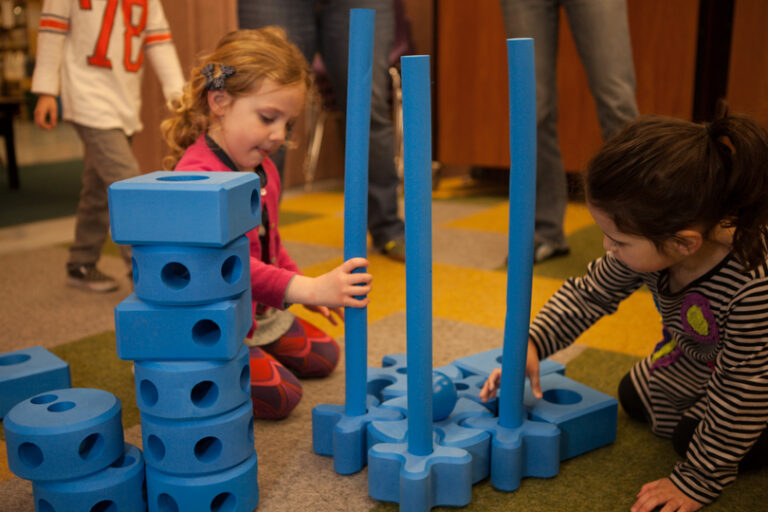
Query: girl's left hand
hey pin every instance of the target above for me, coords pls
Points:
(327, 312)
(663, 493)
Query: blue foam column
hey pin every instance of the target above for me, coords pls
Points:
(361, 29)
(417, 120)
(522, 198)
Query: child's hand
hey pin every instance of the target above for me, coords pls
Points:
(338, 288)
(491, 385)
(328, 313)
(46, 112)
(663, 493)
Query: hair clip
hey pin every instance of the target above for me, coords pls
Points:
(217, 83)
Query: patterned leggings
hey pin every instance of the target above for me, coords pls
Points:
(303, 351)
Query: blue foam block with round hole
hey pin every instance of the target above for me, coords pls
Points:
(182, 390)
(64, 434)
(146, 331)
(586, 417)
(190, 208)
(199, 446)
(25, 373)
(233, 490)
(186, 275)
(117, 488)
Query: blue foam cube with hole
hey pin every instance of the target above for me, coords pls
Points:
(199, 446)
(586, 417)
(234, 490)
(182, 390)
(191, 208)
(184, 275)
(146, 331)
(25, 373)
(117, 488)
(64, 434)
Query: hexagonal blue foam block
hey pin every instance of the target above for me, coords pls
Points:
(64, 434)
(586, 417)
(483, 363)
(186, 275)
(181, 333)
(391, 379)
(192, 389)
(199, 446)
(233, 490)
(117, 488)
(190, 208)
(25, 373)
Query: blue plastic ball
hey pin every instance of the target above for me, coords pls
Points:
(444, 396)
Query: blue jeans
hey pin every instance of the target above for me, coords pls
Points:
(601, 33)
(323, 26)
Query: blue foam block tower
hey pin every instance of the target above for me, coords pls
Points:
(185, 275)
(199, 446)
(64, 434)
(192, 208)
(119, 487)
(155, 332)
(586, 417)
(233, 490)
(25, 373)
(181, 390)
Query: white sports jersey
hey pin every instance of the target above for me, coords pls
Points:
(91, 53)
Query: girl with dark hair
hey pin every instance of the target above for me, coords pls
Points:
(684, 210)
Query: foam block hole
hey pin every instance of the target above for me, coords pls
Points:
(123, 462)
(44, 399)
(232, 269)
(208, 449)
(148, 392)
(44, 506)
(61, 406)
(91, 447)
(204, 394)
(165, 503)
(104, 506)
(375, 386)
(156, 448)
(250, 431)
(256, 202)
(224, 502)
(403, 371)
(134, 271)
(183, 177)
(562, 396)
(206, 333)
(175, 275)
(245, 379)
(14, 359)
(460, 386)
(30, 454)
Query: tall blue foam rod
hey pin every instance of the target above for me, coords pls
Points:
(522, 199)
(361, 31)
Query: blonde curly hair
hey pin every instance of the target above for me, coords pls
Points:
(254, 55)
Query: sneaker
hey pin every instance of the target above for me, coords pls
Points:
(543, 251)
(394, 249)
(88, 277)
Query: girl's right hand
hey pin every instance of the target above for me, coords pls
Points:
(493, 382)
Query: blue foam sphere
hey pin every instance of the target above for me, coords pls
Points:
(444, 396)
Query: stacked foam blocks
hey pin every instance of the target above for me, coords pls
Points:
(184, 327)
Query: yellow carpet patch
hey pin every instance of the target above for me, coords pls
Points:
(5, 473)
(327, 231)
(496, 219)
(323, 203)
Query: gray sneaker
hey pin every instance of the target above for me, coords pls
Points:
(88, 277)
(543, 251)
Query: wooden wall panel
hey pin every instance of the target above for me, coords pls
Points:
(196, 26)
(748, 74)
(472, 106)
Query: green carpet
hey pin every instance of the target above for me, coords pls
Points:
(47, 191)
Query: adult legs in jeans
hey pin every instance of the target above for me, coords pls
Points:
(602, 39)
(324, 26)
(108, 158)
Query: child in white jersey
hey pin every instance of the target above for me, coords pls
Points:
(91, 54)
(684, 209)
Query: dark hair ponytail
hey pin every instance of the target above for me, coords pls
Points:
(660, 176)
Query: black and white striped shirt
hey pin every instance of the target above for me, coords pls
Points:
(714, 366)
